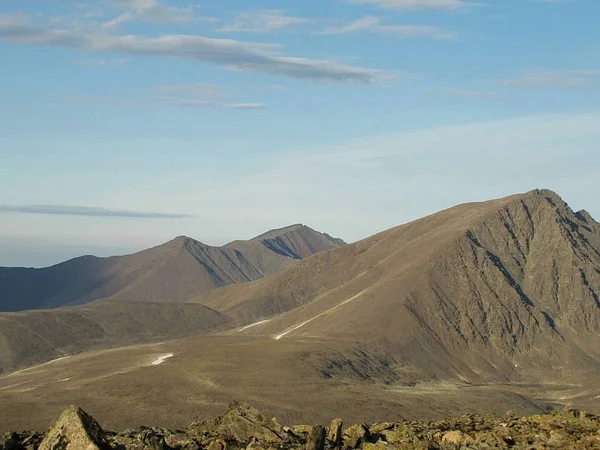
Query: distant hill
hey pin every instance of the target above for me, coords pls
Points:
(34, 337)
(172, 272)
(506, 289)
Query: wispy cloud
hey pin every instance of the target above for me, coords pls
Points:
(262, 21)
(97, 100)
(372, 24)
(61, 210)
(152, 11)
(555, 79)
(245, 106)
(470, 93)
(226, 53)
(199, 95)
(415, 5)
(90, 62)
(202, 93)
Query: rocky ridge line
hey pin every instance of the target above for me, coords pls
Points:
(243, 427)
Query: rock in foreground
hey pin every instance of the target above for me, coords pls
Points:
(243, 427)
(75, 430)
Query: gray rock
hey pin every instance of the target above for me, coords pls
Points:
(75, 430)
(316, 438)
(334, 435)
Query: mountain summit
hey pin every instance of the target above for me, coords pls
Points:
(172, 272)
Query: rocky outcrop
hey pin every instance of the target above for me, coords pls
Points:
(21, 440)
(244, 428)
(75, 430)
(334, 433)
(241, 423)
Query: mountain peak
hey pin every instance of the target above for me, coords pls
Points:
(182, 242)
(548, 195)
(297, 241)
(276, 232)
(586, 217)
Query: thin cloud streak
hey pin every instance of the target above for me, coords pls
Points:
(227, 53)
(245, 106)
(416, 5)
(262, 22)
(60, 210)
(372, 24)
(103, 62)
(469, 93)
(152, 11)
(555, 79)
(200, 95)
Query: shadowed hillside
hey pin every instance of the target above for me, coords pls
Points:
(172, 272)
(33, 337)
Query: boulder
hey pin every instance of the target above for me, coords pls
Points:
(380, 445)
(300, 430)
(153, 439)
(455, 438)
(241, 423)
(334, 433)
(356, 435)
(75, 430)
(316, 438)
(217, 444)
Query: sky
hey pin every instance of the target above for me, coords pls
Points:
(126, 123)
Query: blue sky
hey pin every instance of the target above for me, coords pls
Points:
(125, 123)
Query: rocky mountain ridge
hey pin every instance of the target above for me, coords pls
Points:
(243, 427)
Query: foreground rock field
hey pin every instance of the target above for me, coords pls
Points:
(243, 427)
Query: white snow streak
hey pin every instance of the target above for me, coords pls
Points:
(256, 324)
(295, 327)
(162, 359)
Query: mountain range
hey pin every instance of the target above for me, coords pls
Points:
(172, 272)
(482, 307)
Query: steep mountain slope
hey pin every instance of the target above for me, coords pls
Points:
(494, 291)
(172, 272)
(33, 337)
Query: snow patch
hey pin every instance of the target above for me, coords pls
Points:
(330, 310)
(294, 328)
(252, 325)
(162, 359)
